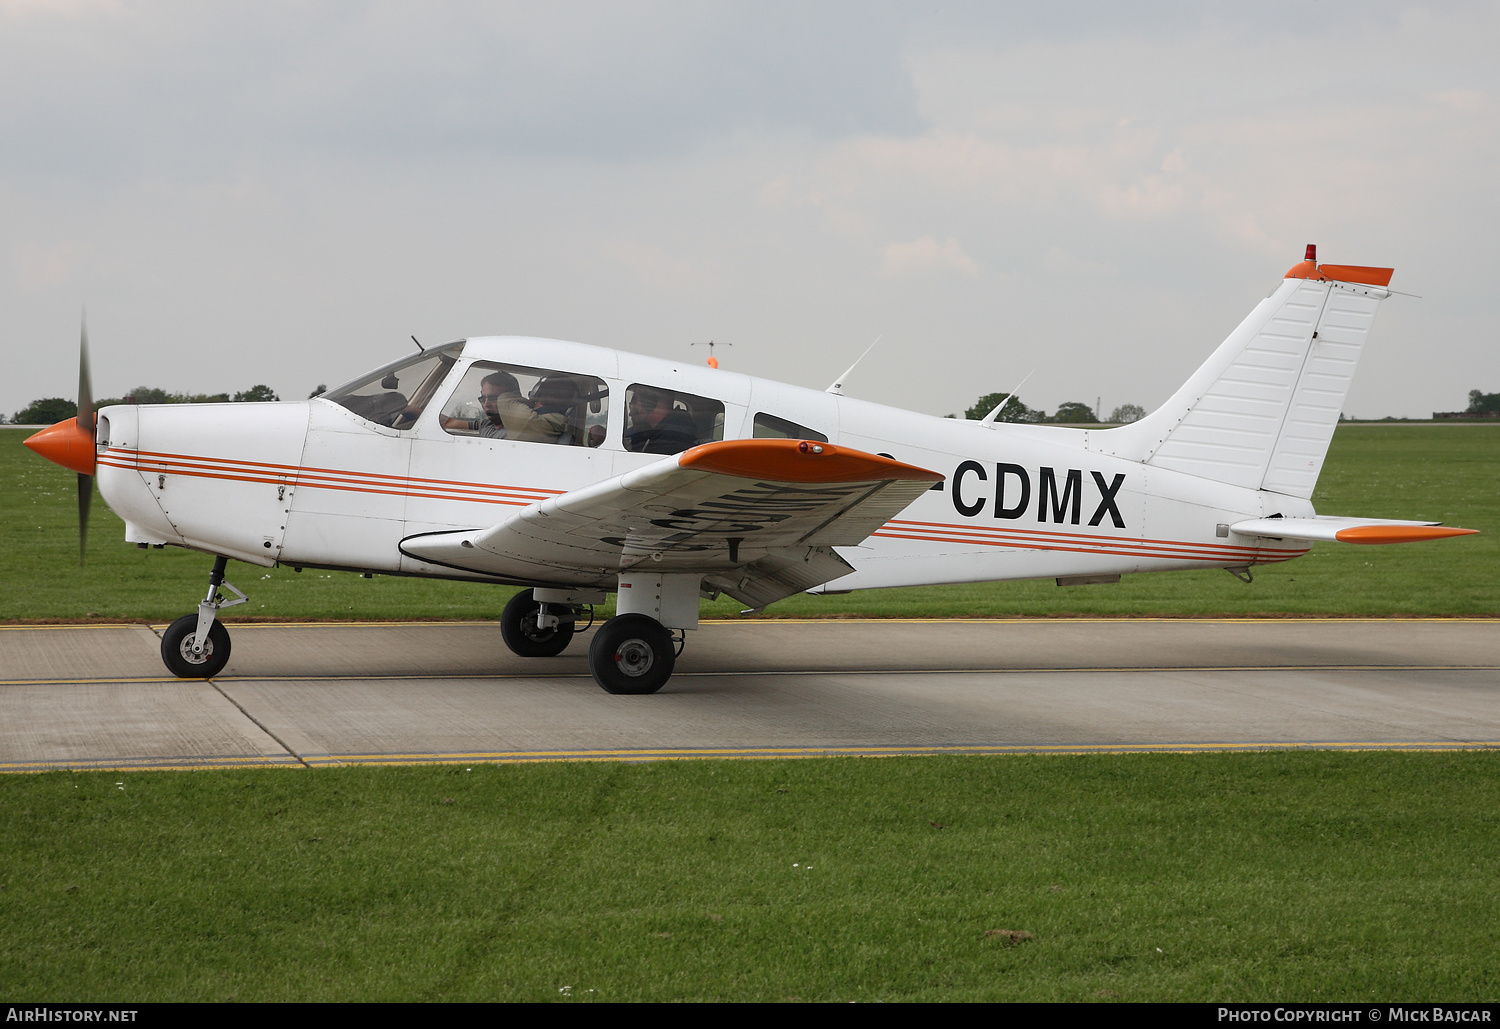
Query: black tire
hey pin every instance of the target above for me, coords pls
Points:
(632, 654)
(177, 649)
(518, 628)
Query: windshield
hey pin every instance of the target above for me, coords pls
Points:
(396, 394)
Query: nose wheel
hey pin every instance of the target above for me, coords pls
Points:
(632, 654)
(183, 656)
(197, 646)
(530, 631)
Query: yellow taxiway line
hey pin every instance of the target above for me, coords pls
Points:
(1033, 620)
(1009, 670)
(187, 763)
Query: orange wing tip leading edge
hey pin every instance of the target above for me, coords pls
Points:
(1398, 533)
(67, 444)
(790, 460)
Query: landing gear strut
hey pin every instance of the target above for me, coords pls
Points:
(635, 651)
(197, 646)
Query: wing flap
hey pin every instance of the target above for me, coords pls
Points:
(1327, 528)
(781, 573)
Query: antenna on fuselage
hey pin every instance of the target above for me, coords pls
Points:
(713, 362)
(419, 346)
(989, 419)
(837, 388)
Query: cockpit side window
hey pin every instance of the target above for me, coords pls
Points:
(664, 421)
(768, 426)
(396, 395)
(529, 405)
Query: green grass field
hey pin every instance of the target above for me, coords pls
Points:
(1231, 877)
(1444, 472)
(1279, 876)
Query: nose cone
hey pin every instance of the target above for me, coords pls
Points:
(66, 443)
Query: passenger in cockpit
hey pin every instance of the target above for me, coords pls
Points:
(656, 426)
(554, 399)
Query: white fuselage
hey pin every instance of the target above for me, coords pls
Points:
(313, 483)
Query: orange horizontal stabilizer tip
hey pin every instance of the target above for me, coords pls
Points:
(1398, 533)
(67, 444)
(790, 460)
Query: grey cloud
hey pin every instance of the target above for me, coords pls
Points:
(280, 193)
(201, 85)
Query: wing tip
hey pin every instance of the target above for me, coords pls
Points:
(790, 460)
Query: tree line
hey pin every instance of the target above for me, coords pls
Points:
(1073, 412)
(50, 410)
(1483, 405)
(55, 409)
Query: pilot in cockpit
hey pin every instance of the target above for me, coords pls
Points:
(492, 388)
(544, 417)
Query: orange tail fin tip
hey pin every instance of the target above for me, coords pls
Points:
(1308, 268)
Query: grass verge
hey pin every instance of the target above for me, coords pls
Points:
(1444, 472)
(1287, 875)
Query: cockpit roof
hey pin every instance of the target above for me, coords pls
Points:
(539, 351)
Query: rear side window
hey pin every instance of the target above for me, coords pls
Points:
(664, 421)
(768, 426)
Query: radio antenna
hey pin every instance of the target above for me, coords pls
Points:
(989, 419)
(837, 388)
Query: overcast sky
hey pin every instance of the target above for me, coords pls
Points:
(1091, 193)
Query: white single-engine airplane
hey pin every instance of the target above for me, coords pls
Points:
(575, 471)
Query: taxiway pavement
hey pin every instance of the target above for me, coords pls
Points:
(304, 695)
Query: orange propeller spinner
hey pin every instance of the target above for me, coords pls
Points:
(71, 443)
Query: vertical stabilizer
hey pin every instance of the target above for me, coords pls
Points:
(1261, 410)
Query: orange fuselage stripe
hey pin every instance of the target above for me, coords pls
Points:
(382, 484)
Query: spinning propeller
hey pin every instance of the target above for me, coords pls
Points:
(71, 443)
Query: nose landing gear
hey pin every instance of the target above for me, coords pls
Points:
(197, 646)
(531, 628)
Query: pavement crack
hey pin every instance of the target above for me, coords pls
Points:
(260, 725)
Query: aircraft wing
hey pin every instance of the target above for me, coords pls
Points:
(1346, 530)
(757, 518)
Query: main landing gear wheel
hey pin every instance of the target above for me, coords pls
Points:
(519, 630)
(177, 649)
(632, 654)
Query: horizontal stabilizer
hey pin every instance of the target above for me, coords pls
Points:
(1346, 530)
